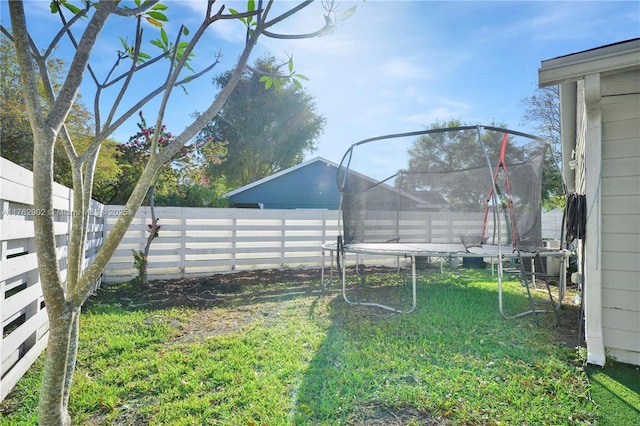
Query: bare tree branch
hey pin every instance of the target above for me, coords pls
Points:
(129, 74)
(287, 14)
(66, 28)
(70, 88)
(121, 11)
(322, 31)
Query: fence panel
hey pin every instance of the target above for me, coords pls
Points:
(201, 241)
(22, 310)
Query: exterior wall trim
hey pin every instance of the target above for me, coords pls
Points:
(593, 256)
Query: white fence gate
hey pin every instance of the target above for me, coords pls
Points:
(22, 311)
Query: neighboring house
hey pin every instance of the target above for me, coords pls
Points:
(308, 185)
(313, 185)
(600, 118)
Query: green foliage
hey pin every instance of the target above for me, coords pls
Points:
(555, 202)
(448, 151)
(15, 131)
(54, 6)
(140, 263)
(182, 175)
(267, 130)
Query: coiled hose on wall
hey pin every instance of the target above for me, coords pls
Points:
(574, 225)
(575, 217)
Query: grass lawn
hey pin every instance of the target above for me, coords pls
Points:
(250, 352)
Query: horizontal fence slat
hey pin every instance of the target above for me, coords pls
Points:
(24, 321)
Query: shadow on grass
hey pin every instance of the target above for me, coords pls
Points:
(616, 388)
(453, 360)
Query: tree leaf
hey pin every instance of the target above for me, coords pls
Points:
(347, 13)
(159, 6)
(268, 81)
(291, 65)
(154, 22)
(185, 31)
(233, 11)
(165, 38)
(158, 16)
(74, 9)
(301, 77)
(157, 43)
(53, 6)
(297, 83)
(251, 5)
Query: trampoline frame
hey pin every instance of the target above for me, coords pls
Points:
(413, 250)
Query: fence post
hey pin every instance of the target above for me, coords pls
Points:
(283, 236)
(234, 225)
(183, 242)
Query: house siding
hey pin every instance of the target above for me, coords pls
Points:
(620, 233)
(309, 187)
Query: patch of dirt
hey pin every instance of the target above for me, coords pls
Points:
(375, 414)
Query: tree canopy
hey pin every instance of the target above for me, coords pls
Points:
(268, 130)
(438, 152)
(15, 132)
(179, 180)
(542, 112)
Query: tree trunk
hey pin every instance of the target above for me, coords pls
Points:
(58, 368)
(153, 233)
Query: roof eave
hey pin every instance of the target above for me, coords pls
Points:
(612, 58)
(277, 175)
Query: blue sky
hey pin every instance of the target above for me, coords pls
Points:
(395, 66)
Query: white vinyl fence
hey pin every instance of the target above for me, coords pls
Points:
(22, 310)
(202, 241)
(552, 224)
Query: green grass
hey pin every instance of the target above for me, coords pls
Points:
(311, 359)
(616, 390)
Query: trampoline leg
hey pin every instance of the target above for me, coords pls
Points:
(322, 266)
(389, 308)
(344, 281)
(414, 279)
(532, 308)
(322, 280)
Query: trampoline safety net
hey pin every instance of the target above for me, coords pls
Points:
(473, 185)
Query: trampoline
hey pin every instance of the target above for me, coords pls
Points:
(469, 191)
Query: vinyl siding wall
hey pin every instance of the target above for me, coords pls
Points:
(620, 234)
